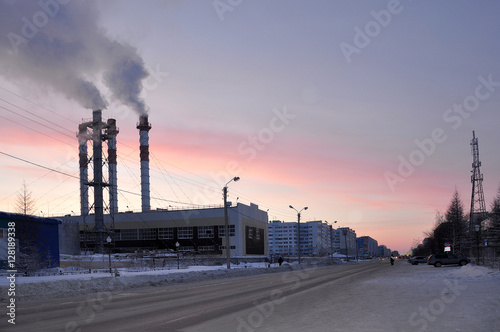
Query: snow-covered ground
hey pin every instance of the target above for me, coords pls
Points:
(426, 298)
(75, 281)
(401, 298)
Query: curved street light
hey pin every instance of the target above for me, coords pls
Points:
(226, 222)
(298, 224)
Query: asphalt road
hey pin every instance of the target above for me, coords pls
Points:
(236, 304)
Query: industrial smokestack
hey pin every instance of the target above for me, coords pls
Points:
(111, 132)
(82, 148)
(144, 126)
(97, 183)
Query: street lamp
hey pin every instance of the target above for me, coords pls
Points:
(226, 222)
(109, 252)
(177, 248)
(345, 239)
(298, 225)
(331, 236)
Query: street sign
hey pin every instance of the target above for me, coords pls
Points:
(447, 249)
(447, 244)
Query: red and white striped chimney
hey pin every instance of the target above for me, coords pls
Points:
(111, 132)
(84, 175)
(144, 126)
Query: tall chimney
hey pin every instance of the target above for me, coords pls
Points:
(144, 126)
(97, 183)
(111, 132)
(82, 148)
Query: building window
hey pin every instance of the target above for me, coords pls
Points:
(250, 232)
(205, 248)
(128, 234)
(222, 231)
(224, 247)
(166, 233)
(186, 248)
(147, 234)
(205, 232)
(185, 232)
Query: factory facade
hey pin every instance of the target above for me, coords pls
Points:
(197, 231)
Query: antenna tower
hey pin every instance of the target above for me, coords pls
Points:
(477, 205)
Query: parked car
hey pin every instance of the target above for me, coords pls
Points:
(417, 259)
(447, 259)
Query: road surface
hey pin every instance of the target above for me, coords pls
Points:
(243, 303)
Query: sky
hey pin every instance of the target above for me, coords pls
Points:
(363, 111)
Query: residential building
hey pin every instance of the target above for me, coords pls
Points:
(367, 247)
(384, 251)
(344, 241)
(315, 238)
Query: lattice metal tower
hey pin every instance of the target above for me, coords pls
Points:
(477, 205)
(97, 131)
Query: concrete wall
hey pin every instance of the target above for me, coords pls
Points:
(69, 238)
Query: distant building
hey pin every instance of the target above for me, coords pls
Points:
(384, 251)
(37, 242)
(367, 247)
(200, 230)
(316, 238)
(344, 241)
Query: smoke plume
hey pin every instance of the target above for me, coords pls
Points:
(58, 43)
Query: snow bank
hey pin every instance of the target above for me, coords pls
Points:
(44, 287)
(471, 271)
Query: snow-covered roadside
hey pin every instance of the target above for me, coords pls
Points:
(426, 298)
(45, 287)
(399, 298)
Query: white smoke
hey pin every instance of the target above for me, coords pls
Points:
(59, 43)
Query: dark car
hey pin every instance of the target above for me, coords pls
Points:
(417, 259)
(447, 259)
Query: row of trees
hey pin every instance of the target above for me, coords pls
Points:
(454, 227)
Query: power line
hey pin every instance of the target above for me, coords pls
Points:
(37, 122)
(33, 103)
(38, 165)
(76, 177)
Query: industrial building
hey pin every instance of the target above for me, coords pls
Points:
(198, 230)
(36, 242)
(315, 238)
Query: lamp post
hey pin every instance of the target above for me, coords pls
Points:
(298, 224)
(346, 250)
(226, 223)
(109, 252)
(331, 237)
(177, 248)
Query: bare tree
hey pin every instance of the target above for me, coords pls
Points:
(25, 204)
(33, 255)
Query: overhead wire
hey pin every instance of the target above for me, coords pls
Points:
(205, 183)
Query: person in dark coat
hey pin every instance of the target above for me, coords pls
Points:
(280, 261)
(392, 259)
